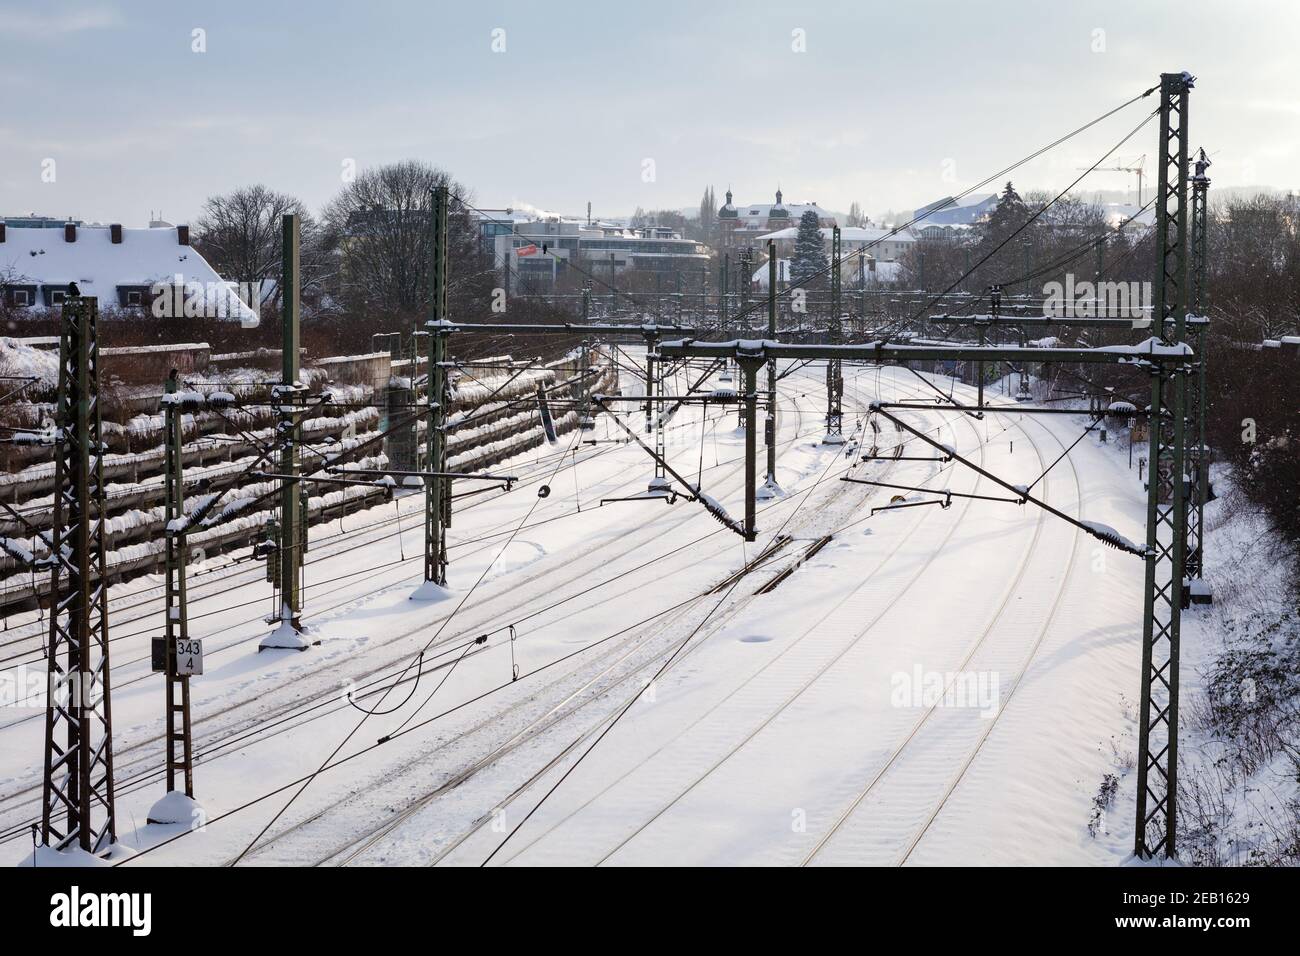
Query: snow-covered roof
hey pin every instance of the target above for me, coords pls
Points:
(763, 211)
(855, 234)
(503, 215)
(950, 210)
(782, 273)
(882, 272)
(99, 266)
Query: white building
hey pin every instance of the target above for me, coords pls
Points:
(882, 244)
(747, 225)
(547, 248)
(125, 269)
(951, 210)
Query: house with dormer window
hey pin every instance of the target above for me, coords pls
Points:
(125, 269)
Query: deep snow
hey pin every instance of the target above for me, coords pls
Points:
(933, 686)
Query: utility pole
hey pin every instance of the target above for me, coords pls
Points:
(834, 371)
(746, 276)
(1198, 335)
(770, 488)
(613, 285)
(78, 779)
(862, 287)
(749, 373)
(288, 634)
(437, 503)
(743, 282)
(1156, 823)
(654, 415)
(995, 310)
(724, 265)
(177, 612)
(1027, 244)
(704, 294)
(585, 422)
(1020, 324)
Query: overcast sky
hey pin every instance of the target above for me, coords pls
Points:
(889, 104)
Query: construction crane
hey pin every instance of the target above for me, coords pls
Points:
(1139, 170)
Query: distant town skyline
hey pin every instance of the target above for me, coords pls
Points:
(117, 110)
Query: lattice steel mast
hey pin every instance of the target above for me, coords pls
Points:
(834, 369)
(288, 397)
(176, 610)
(78, 781)
(770, 487)
(437, 503)
(1157, 783)
(1199, 335)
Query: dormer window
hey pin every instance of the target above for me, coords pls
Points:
(134, 296)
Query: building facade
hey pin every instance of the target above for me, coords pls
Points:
(128, 269)
(747, 225)
(548, 248)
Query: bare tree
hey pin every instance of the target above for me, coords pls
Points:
(380, 224)
(240, 234)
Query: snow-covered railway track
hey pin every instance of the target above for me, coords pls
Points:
(866, 596)
(223, 730)
(1027, 661)
(370, 835)
(1007, 593)
(572, 703)
(359, 848)
(935, 745)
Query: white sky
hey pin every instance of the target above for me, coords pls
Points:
(891, 104)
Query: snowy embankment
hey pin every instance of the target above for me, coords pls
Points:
(1239, 779)
(494, 431)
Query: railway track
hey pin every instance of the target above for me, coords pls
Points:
(553, 718)
(241, 732)
(863, 595)
(357, 847)
(943, 738)
(1000, 622)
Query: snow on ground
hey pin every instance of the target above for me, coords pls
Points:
(1239, 788)
(935, 685)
